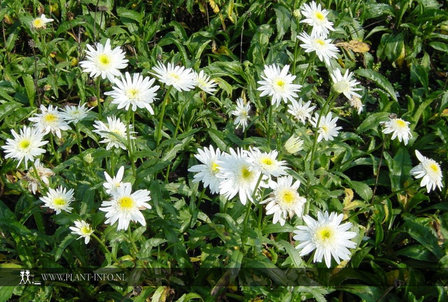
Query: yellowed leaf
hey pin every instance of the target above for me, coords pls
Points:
(354, 45)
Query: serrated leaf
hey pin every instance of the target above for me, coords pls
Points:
(29, 88)
(379, 79)
(362, 190)
(62, 246)
(372, 121)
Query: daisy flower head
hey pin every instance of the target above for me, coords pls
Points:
(238, 175)
(83, 229)
(75, 114)
(241, 113)
(284, 200)
(181, 78)
(278, 84)
(49, 120)
(429, 171)
(301, 111)
(112, 184)
(44, 175)
(327, 127)
(113, 133)
(399, 129)
(267, 163)
(104, 61)
(135, 92)
(345, 84)
(25, 145)
(40, 22)
(125, 207)
(325, 50)
(59, 199)
(317, 18)
(293, 145)
(356, 103)
(327, 236)
(204, 82)
(208, 169)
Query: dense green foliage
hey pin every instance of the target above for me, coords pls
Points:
(401, 61)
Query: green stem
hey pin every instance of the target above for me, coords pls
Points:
(162, 114)
(131, 240)
(53, 149)
(98, 96)
(78, 137)
(316, 134)
(44, 185)
(130, 148)
(268, 126)
(308, 68)
(103, 246)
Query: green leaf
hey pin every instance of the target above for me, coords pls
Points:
(365, 292)
(29, 87)
(189, 297)
(379, 79)
(440, 46)
(391, 46)
(423, 234)
(129, 14)
(293, 253)
(63, 245)
(419, 74)
(399, 167)
(372, 121)
(362, 189)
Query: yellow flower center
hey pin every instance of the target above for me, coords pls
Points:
(325, 128)
(132, 93)
(104, 59)
(401, 123)
(59, 201)
(287, 196)
(214, 168)
(38, 23)
(319, 16)
(246, 173)
(280, 83)
(342, 86)
(320, 42)
(434, 167)
(126, 202)
(24, 144)
(50, 118)
(267, 161)
(174, 76)
(325, 234)
(86, 230)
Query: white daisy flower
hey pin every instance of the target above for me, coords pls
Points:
(112, 184)
(278, 84)
(293, 144)
(327, 236)
(327, 128)
(25, 145)
(345, 84)
(267, 163)
(74, 114)
(40, 22)
(113, 133)
(181, 78)
(83, 229)
(59, 199)
(356, 103)
(284, 200)
(207, 171)
(133, 92)
(204, 82)
(238, 175)
(301, 111)
(242, 113)
(33, 181)
(317, 18)
(399, 129)
(429, 171)
(125, 207)
(49, 120)
(323, 47)
(104, 61)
